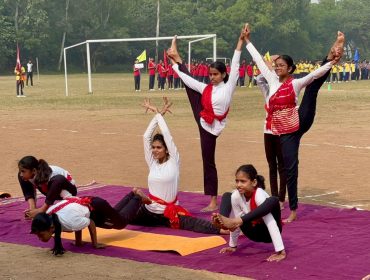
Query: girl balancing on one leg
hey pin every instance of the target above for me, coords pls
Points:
(52, 181)
(255, 213)
(163, 160)
(75, 214)
(284, 117)
(210, 104)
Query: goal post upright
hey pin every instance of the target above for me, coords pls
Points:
(87, 42)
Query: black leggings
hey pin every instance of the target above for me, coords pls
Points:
(117, 217)
(275, 161)
(146, 218)
(255, 232)
(207, 141)
(290, 142)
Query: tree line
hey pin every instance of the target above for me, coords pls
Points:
(42, 28)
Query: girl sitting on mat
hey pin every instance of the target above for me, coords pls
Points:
(254, 212)
(163, 161)
(52, 181)
(75, 214)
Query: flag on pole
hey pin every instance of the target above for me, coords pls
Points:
(142, 56)
(356, 56)
(18, 65)
(267, 56)
(165, 59)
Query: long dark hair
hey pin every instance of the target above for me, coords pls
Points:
(43, 222)
(252, 174)
(42, 167)
(221, 67)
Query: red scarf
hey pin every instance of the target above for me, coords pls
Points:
(253, 205)
(85, 201)
(172, 211)
(207, 113)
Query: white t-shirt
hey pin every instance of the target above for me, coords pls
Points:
(240, 207)
(163, 179)
(29, 67)
(72, 217)
(221, 94)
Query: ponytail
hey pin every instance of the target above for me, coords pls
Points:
(58, 246)
(43, 172)
(252, 174)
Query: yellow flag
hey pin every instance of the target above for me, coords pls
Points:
(142, 56)
(267, 56)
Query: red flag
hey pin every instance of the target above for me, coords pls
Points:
(165, 59)
(18, 65)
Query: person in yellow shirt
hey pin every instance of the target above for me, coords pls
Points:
(20, 75)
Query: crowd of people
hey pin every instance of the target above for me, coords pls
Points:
(249, 208)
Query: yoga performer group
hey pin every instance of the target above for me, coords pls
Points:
(248, 208)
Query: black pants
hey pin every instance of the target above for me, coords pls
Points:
(275, 161)
(241, 81)
(137, 82)
(146, 218)
(207, 142)
(177, 82)
(290, 142)
(117, 217)
(170, 81)
(151, 81)
(255, 232)
(29, 77)
(19, 86)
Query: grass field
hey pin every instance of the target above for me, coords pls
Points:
(334, 155)
(99, 137)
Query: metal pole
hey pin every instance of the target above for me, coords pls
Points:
(88, 67)
(37, 67)
(157, 34)
(65, 70)
(189, 56)
(214, 48)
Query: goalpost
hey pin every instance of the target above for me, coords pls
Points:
(88, 42)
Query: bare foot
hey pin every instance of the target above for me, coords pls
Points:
(292, 217)
(336, 50)
(209, 208)
(216, 222)
(228, 223)
(144, 198)
(172, 52)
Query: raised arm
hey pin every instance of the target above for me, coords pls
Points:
(172, 149)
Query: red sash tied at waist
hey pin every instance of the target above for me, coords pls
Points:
(172, 211)
(207, 113)
(85, 201)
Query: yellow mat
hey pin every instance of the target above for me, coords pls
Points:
(151, 241)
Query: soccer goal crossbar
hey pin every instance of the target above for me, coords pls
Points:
(196, 38)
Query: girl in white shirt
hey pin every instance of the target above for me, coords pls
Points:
(74, 214)
(210, 104)
(284, 117)
(254, 213)
(54, 182)
(163, 161)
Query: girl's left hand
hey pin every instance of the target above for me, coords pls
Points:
(227, 250)
(276, 257)
(99, 246)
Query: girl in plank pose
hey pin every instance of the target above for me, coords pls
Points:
(163, 161)
(254, 213)
(52, 181)
(74, 214)
(210, 104)
(284, 117)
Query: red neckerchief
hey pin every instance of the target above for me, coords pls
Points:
(253, 205)
(172, 211)
(85, 201)
(207, 113)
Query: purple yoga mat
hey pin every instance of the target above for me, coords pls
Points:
(325, 243)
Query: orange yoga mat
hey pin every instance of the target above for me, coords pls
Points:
(151, 241)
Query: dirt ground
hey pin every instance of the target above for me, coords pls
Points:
(105, 145)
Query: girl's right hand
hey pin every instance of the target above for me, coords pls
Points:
(227, 250)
